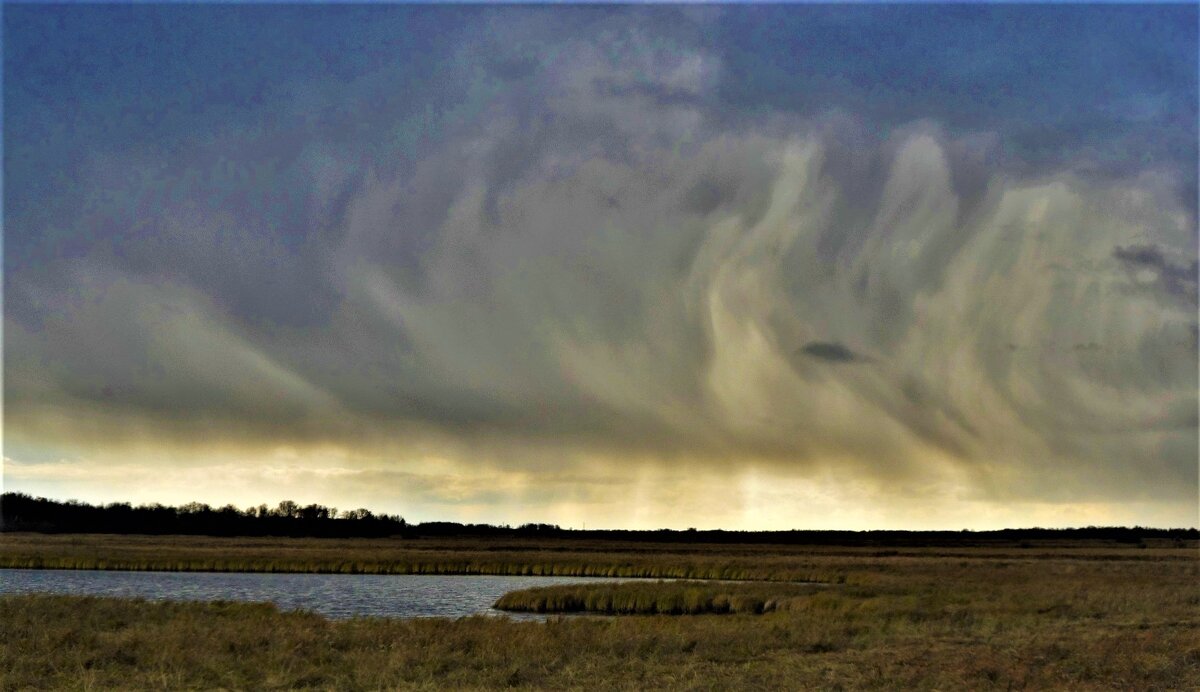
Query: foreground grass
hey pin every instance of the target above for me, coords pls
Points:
(659, 598)
(920, 622)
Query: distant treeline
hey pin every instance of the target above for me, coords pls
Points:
(21, 512)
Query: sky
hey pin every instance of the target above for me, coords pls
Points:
(743, 267)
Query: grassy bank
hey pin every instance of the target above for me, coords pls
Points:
(659, 598)
(921, 623)
(827, 564)
(396, 556)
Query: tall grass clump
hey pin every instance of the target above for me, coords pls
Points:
(656, 598)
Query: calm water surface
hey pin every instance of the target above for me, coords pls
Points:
(332, 595)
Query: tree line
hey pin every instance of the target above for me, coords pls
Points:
(21, 512)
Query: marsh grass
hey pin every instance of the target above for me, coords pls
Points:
(973, 621)
(398, 556)
(550, 557)
(658, 598)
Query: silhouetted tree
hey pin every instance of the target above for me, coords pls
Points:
(20, 512)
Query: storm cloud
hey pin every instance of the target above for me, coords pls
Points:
(584, 246)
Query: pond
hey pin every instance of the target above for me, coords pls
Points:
(333, 595)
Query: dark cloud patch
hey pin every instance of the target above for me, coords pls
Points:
(1178, 279)
(832, 352)
(1140, 255)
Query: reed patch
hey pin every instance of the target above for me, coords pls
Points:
(659, 598)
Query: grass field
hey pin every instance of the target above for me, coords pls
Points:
(1062, 617)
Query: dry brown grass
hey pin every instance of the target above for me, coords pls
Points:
(527, 556)
(660, 598)
(904, 621)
